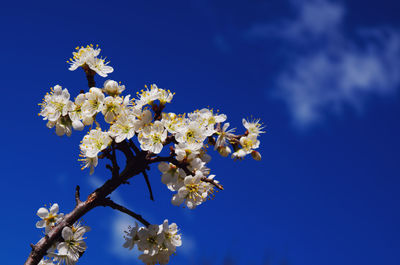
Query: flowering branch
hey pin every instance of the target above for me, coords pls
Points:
(184, 171)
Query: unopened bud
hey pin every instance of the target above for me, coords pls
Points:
(112, 88)
(211, 140)
(224, 151)
(256, 155)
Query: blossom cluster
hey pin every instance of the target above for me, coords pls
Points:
(157, 242)
(87, 57)
(141, 120)
(68, 250)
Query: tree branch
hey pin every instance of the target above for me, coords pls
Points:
(133, 167)
(89, 75)
(108, 202)
(134, 147)
(183, 165)
(146, 177)
(213, 182)
(77, 195)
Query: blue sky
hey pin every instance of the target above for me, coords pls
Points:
(322, 75)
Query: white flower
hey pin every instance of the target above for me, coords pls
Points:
(187, 151)
(94, 142)
(239, 154)
(55, 104)
(144, 117)
(112, 88)
(158, 242)
(123, 128)
(223, 136)
(148, 96)
(46, 262)
(194, 192)
(76, 115)
(162, 258)
(194, 132)
(165, 96)
(131, 237)
(198, 164)
(88, 162)
(87, 57)
(207, 119)
(172, 238)
(82, 56)
(253, 127)
(63, 126)
(171, 122)
(100, 66)
(150, 239)
(49, 218)
(172, 176)
(68, 251)
(94, 102)
(151, 137)
(111, 108)
(249, 143)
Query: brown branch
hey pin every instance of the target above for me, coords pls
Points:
(134, 147)
(108, 202)
(89, 75)
(115, 167)
(77, 195)
(146, 177)
(213, 182)
(183, 166)
(96, 198)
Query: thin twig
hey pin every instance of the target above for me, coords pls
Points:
(108, 202)
(211, 181)
(183, 166)
(146, 177)
(115, 167)
(77, 195)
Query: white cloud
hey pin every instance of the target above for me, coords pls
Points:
(328, 70)
(120, 223)
(188, 245)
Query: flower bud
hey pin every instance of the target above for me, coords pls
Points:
(224, 151)
(112, 88)
(256, 155)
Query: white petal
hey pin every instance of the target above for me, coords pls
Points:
(67, 233)
(41, 224)
(42, 212)
(177, 200)
(54, 209)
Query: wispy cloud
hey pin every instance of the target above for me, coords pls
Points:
(119, 223)
(327, 69)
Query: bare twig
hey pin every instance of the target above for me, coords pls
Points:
(211, 181)
(108, 202)
(77, 195)
(183, 165)
(115, 167)
(146, 177)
